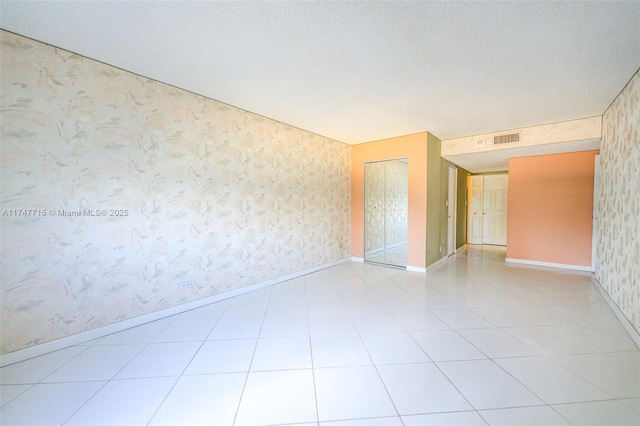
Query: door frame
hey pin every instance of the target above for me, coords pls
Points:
(452, 209)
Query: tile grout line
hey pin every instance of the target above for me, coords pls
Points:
(155, 412)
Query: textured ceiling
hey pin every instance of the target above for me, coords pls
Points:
(362, 71)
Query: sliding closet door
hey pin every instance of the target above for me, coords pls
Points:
(386, 212)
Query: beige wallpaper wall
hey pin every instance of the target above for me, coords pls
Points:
(193, 190)
(618, 251)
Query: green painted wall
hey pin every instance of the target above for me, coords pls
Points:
(437, 193)
(461, 211)
(434, 199)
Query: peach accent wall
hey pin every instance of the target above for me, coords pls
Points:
(550, 208)
(413, 147)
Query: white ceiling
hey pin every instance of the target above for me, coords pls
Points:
(362, 71)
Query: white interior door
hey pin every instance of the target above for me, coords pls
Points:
(451, 211)
(494, 217)
(474, 209)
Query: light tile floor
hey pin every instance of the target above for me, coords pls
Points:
(473, 342)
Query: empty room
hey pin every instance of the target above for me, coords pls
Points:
(319, 213)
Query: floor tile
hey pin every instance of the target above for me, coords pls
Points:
(610, 413)
(10, 392)
(379, 421)
(495, 343)
(602, 342)
(35, 369)
(525, 416)
(339, 350)
(485, 385)
(96, 363)
(278, 397)
(420, 389)
(460, 319)
(376, 322)
(236, 328)
(393, 348)
(418, 328)
(331, 323)
(211, 311)
(446, 346)
(250, 304)
(141, 334)
(505, 317)
(160, 359)
(107, 407)
(202, 400)
(287, 304)
(48, 404)
(223, 356)
(293, 325)
(363, 304)
(420, 321)
(617, 381)
(464, 418)
(550, 381)
(632, 402)
(351, 393)
(508, 300)
(628, 359)
(474, 301)
(187, 330)
(439, 302)
(333, 305)
(282, 353)
(550, 340)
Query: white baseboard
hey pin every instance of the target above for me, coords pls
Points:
(437, 263)
(461, 248)
(357, 259)
(549, 264)
(630, 329)
(85, 336)
(418, 269)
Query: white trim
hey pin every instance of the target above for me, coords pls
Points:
(85, 336)
(630, 329)
(416, 269)
(357, 259)
(453, 208)
(461, 248)
(437, 263)
(549, 264)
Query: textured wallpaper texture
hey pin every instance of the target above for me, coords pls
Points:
(116, 189)
(618, 250)
(386, 198)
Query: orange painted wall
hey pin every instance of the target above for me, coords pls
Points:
(550, 208)
(413, 147)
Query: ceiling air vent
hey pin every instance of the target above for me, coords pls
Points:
(513, 137)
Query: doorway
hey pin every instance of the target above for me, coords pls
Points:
(487, 209)
(451, 210)
(386, 207)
